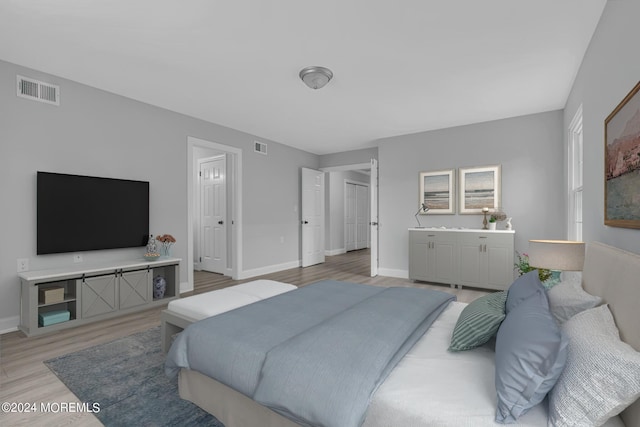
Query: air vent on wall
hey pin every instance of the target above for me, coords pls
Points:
(260, 147)
(38, 91)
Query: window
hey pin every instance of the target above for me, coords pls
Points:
(575, 177)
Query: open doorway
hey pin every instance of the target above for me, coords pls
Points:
(212, 202)
(351, 210)
(356, 215)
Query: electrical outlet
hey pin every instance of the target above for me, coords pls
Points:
(77, 258)
(23, 264)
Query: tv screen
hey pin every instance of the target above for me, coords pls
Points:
(82, 213)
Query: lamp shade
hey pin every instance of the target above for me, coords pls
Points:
(563, 255)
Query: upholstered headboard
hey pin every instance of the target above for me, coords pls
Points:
(614, 275)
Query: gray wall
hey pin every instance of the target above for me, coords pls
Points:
(610, 69)
(530, 150)
(271, 205)
(97, 133)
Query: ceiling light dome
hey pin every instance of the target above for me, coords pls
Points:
(316, 77)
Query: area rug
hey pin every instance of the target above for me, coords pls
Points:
(126, 378)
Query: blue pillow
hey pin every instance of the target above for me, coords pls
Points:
(523, 287)
(530, 355)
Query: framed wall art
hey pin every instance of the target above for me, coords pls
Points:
(622, 163)
(437, 191)
(479, 188)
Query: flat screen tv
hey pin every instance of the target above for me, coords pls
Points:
(83, 213)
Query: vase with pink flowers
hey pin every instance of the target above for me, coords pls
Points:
(166, 241)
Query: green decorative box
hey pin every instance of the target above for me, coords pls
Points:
(53, 317)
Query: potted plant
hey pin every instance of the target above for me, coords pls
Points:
(522, 266)
(492, 223)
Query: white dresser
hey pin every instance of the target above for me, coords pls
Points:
(465, 257)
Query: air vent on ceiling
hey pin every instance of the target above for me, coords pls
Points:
(38, 91)
(260, 147)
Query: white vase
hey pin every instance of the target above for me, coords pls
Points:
(492, 226)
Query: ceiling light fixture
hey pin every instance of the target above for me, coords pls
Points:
(316, 77)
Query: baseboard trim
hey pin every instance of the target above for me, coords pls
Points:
(390, 272)
(246, 274)
(185, 287)
(9, 324)
(333, 252)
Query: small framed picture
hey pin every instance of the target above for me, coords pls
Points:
(479, 188)
(437, 191)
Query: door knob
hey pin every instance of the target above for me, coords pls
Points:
(220, 222)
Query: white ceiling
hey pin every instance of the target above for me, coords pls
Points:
(399, 67)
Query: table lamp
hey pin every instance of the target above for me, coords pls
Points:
(560, 255)
(423, 208)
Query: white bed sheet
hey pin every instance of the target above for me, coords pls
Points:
(433, 387)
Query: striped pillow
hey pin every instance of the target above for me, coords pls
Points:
(479, 322)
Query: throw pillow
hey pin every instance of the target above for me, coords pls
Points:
(478, 322)
(530, 354)
(567, 299)
(602, 375)
(522, 288)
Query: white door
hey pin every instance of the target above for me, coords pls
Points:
(213, 207)
(373, 188)
(312, 217)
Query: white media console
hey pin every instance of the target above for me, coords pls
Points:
(94, 292)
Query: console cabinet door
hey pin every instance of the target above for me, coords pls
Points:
(443, 253)
(418, 249)
(135, 288)
(432, 256)
(471, 260)
(99, 295)
(486, 260)
(499, 255)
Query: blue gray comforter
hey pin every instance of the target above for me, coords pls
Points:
(315, 355)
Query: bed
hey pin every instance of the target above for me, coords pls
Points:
(431, 386)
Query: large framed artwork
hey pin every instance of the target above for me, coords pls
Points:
(437, 191)
(479, 188)
(622, 163)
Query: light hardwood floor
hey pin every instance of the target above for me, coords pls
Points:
(25, 379)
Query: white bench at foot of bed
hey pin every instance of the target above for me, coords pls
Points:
(182, 312)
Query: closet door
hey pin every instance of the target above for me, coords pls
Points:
(350, 207)
(362, 217)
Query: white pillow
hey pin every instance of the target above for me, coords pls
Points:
(602, 374)
(567, 298)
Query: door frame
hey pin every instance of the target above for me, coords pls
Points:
(235, 201)
(358, 166)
